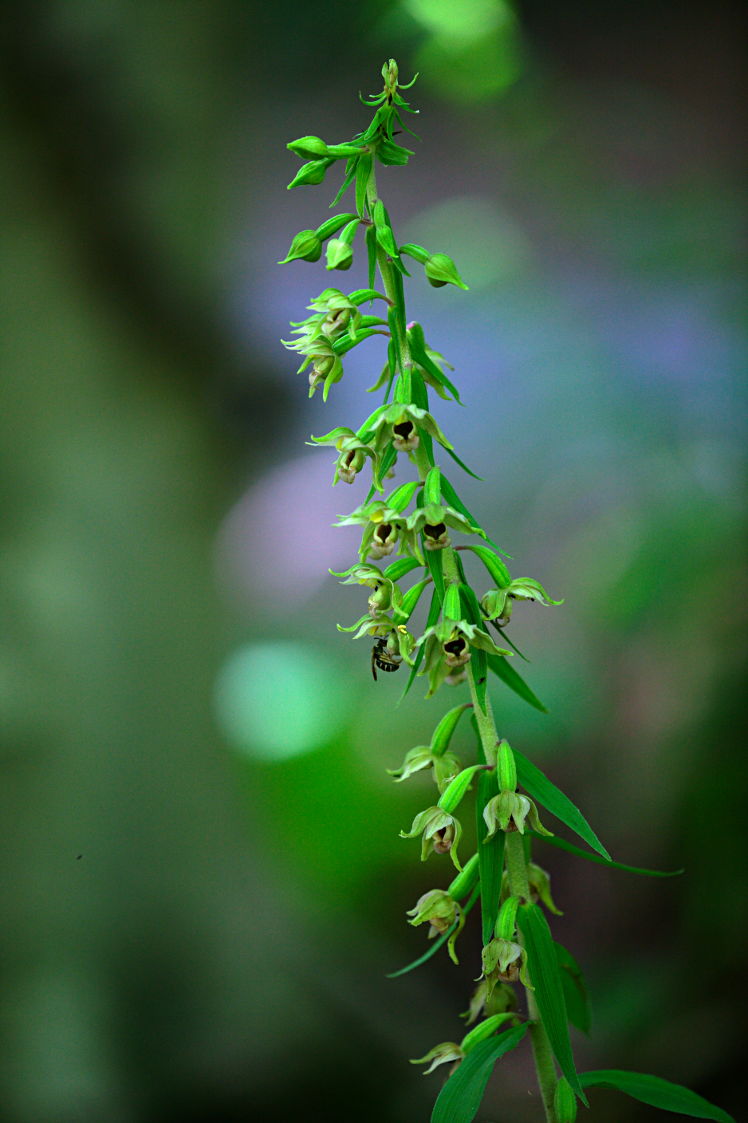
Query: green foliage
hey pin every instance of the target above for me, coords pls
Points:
(657, 1092)
(416, 524)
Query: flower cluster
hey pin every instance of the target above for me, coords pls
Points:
(438, 626)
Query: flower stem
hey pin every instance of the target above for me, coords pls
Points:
(519, 886)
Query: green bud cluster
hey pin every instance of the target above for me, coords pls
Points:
(438, 626)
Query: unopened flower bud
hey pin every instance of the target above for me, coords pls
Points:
(306, 246)
(308, 147)
(339, 254)
(506, 768)
(441, 270)
(380, 600)
(309, 175)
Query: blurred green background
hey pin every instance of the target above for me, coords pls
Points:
(203, 883)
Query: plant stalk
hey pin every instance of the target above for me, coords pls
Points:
(519, 886)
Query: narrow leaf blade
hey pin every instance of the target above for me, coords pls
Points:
(575, 992)
(545, 974)
(562, 844)
(513, 679)
(553, 799)
(461, 1096)
(656, 1092)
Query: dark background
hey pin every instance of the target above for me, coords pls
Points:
(203, 885)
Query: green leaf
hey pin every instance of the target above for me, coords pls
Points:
(544, 791)
(461, 1096)
(656, 1092)
(490, 858)
(405, 610)
(545, 975)
(471, 607)
(497, 571)
(562, 844)
(371, 253)
(431, 619)
(454, 500)
(363, 171)
(480, 675)
(439, 942)
(463, 465)
(435, 563)
(420, 355)
(513, 679)
(350, 171)
(575, 992)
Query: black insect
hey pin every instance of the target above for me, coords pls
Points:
(383, 658)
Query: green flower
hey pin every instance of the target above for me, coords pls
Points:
(383, 527)
(445, 765)
(440, 833)
(490, 998)
(497, 604)
(508, 811)
(441, 912)
(447, 648)
(441, 1054)
(400, 425)
(504, 961)
(432, 521)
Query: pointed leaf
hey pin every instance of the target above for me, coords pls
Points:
(480, 675)
(435, 563)
(513, 679)
(495, 566)
(544, 791)
(431, 619)
(490, 858)
(562, 844)
(350, 171)
(461, 1096)
(462, 464)
(371, 254)
(451, 496)
(363, 171)
(405, 610)
(575, 992)
(657, 1092)
(545, 975)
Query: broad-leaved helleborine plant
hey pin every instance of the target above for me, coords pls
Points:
(420, 531)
